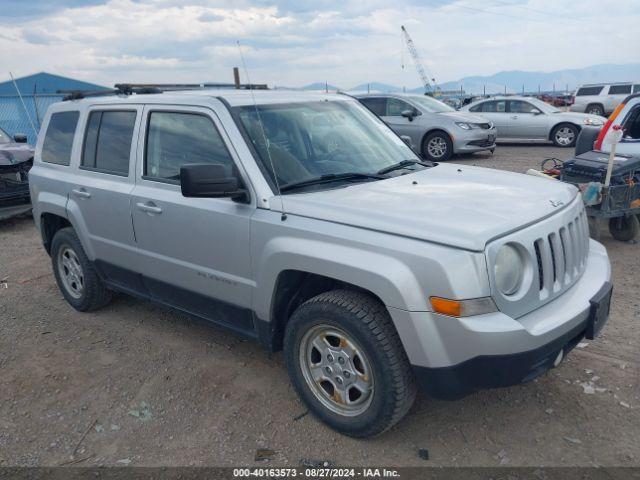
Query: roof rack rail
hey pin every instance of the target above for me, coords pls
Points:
(120, 89)
(166, 87)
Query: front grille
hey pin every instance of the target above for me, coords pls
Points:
(562, 255)
(481, 143)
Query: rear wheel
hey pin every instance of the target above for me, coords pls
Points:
(437, 147)
(74, 273)
(565, 135)
(595, 109)
(624, 228)
(347, 363)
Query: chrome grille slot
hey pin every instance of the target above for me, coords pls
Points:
(545, 266)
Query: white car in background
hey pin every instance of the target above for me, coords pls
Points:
(527, 118)
(602, 98)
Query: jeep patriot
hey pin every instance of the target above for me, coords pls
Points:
(302, 221)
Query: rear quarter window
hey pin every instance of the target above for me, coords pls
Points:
(58, 140)
(376, 105)
(620, 89)
(584, 91)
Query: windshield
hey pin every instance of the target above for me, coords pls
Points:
(4, 137)
(431, 105)
(307, 140)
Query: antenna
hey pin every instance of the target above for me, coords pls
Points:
(283, 217)
(23, 104)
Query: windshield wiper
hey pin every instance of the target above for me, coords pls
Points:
(330, 177)
(402, 164)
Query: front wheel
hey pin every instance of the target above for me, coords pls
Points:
(595, 109)
(565, 135)
(437, 147)
(347, 363)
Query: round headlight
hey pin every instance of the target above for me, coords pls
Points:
(508, 270)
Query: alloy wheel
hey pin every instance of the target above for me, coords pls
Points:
(336, 370)
(71, 272)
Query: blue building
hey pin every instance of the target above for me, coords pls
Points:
(38, 92)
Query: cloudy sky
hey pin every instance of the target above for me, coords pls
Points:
(295, 42)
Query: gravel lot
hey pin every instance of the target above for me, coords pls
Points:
(138, 384)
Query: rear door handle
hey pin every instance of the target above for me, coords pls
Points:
(149, 207)
(81, 193)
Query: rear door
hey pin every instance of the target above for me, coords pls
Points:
(194, 252)
(615, 95)
(103, 181)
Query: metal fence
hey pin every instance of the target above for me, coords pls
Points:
(16, 117)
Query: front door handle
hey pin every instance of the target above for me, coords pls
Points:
(81, 193)
(149, 207)
(514, 117)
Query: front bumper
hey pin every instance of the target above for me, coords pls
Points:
(453, 357)
(477, 140)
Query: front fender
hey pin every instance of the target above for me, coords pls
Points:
(386, 277)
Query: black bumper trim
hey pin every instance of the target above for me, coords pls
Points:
(495, 371)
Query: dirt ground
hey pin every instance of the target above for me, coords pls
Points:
(136, 384)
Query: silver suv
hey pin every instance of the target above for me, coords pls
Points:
(303, 222)
(602, 98)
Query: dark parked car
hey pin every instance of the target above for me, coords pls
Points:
(16, 159)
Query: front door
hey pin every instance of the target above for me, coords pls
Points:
(194, 251)
(527, 121)
(402, 125)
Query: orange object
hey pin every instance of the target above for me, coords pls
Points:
(607, 125)
(453, 308)
(635, 203)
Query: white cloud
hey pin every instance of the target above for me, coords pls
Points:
(292, 43)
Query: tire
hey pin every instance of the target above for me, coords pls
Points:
(361, 347)
(75, 275)
(594, 228)
(565, 135)
(586, 140)
(595, 109)
(625, 228)
(436, 142)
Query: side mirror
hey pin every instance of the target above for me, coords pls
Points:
(20, 138)
(536, 112)
(210, 181)
(409, 114)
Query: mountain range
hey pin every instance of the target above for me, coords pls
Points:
(512, 81)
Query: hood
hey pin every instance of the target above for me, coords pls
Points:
(13, 153)
(464, 117)
(454, 205)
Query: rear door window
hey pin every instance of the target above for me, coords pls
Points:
(498, 106)
(518, 106)
(619, 89)
(107, 144)
(636, 89)
(584, 91)
(395, 107)
(377, 105)
(58, 140)
(175, 139)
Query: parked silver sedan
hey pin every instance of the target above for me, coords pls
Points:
(436, 130)
(525, 118)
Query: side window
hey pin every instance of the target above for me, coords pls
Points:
(516, 106)
(619, 89)
(631, 124)
(107, 142)
(376, 105)
(59, 138)
(395, 107)
(585, 91)
(477, 108)
(636, 89)
(175, 139)
(495, 106)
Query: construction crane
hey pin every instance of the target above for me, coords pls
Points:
(429, 84)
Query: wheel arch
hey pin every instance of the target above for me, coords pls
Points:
(50, 224)
(434, 130)
(557, 125)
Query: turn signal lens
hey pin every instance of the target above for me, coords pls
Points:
(463, 308)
